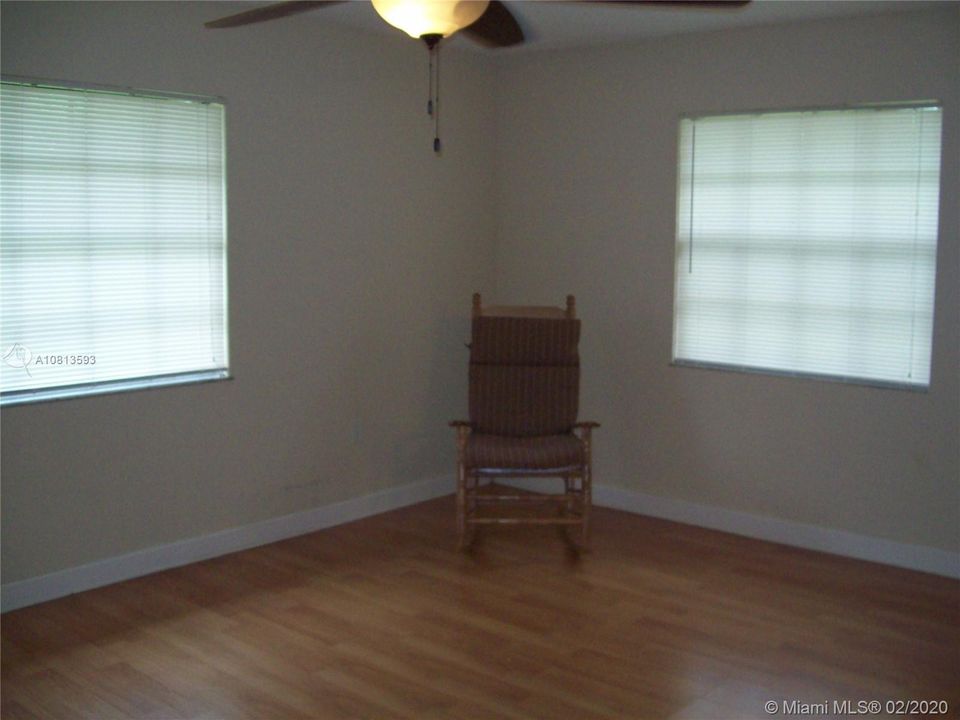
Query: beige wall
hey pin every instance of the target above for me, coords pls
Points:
(587, 175)
(353, 254)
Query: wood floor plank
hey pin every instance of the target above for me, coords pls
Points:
(383, 618)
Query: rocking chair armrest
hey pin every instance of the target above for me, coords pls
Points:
(583, 430)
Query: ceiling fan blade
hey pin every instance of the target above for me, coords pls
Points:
(495, 28)
(695, 4)
(269, 12)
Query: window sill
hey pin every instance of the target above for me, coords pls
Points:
(746, 369)
(69, 392)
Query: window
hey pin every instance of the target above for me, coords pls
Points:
(112, 241)
(807, 241)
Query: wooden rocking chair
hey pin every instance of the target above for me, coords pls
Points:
(523, 402)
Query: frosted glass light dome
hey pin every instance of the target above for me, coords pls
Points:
(430, 17)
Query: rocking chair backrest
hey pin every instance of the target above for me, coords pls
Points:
(524, 375)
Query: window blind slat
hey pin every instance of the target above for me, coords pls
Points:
(112, 237)
(806, 242)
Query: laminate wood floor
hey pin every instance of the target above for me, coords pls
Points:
(383, 618)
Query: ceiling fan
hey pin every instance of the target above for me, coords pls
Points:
(486, 22)
(489, 24)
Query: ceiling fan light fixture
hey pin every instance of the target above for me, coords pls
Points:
(430, 17)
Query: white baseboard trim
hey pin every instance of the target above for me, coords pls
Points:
(163, 557)
(787, 532)
(143, 562)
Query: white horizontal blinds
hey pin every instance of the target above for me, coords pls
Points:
(806, 242)
(113, 236)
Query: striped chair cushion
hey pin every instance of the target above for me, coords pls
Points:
(495, 452)
(524, 400)
(524, 341)
(524, 375)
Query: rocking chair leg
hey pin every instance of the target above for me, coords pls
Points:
(568, 490)
(461, 507)
(587, 500)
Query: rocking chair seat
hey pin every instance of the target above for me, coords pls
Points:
(546, 452)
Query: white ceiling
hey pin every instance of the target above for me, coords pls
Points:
(557, 24)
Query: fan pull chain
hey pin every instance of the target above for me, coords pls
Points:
(436, 106)
(430, 90)
(433, 103)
